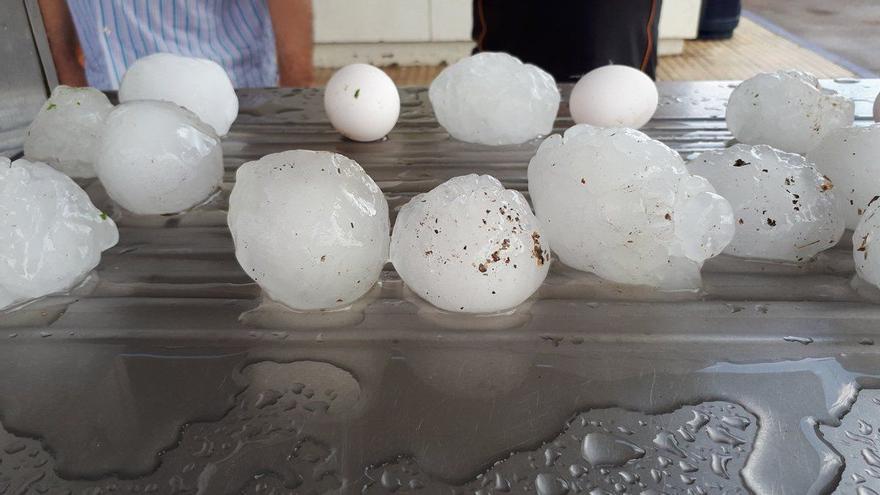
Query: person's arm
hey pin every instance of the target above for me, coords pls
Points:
(63, 42)
(292, 23)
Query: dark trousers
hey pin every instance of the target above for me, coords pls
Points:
(568, 38)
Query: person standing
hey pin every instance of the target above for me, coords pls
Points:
(568, 38)
(260, 43)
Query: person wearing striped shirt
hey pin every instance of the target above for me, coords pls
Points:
(260, 43)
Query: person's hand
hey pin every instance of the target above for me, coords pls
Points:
(292, 23)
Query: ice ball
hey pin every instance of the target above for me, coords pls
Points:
(614, 96)
(470, 245)
(310, 227)
(493, 98)
(65, 132)
(158, 158)
(362, 102)
(51, 235)
(619, 204)
(787, 110)
(866, 234)
(198, 84)
(784, 208)
(851, 158)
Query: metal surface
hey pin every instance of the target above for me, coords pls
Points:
(23, 86)
(164, 372)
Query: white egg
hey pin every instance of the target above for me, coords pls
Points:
(471, 246)
(310, 227)
(362, 102)
(614, 96)
(156, 158)
(198, 84)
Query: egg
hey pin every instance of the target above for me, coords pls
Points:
(310, 227)
(470, 246)
(614, 96)
(362, 102)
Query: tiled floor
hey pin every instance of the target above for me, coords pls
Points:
(752, 49)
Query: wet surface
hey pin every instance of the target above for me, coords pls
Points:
(167, 372)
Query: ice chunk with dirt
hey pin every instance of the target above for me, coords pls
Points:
(787, 110)
(51, 235)
(851, 158)
(470, 245)
(65, 132)
(310, 227)
(784, 208)
(619, 204)
(493, 98)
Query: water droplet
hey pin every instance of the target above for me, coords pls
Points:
(687, 480)
(604, 449)
(628, 477)
(738, 422)
(721, 434)
(857, 479)
(656, 475)
(686, 467)
(700, 420)
(501, 484)
(871, 457)
(865, 428)
(576, 470)
(686, 435)
(549, 484)
(719, 464)
(666, 441)
(799, 340)
(864, 490)
(663, 461)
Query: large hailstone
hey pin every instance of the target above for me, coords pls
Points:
(493, 98)
(198, 84)
(65, 132)
(158, 158)
(865, 236)
(619, 204)
(469, 245)
(784, 208)
(310, 227)
(51, 235)
(851, 158)
(787, 110)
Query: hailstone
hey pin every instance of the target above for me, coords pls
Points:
(199, 84)
(51, 235)
(619, 204)
(157, 158)
(784, 208)
(493, 98)
(65, 132)
(470, 245)
(851, 158)
(787, 110)
(866, 234)
(310, 227)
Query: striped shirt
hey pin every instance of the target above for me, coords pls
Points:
(237, 34)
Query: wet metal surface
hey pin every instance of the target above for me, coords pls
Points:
(165, 373)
